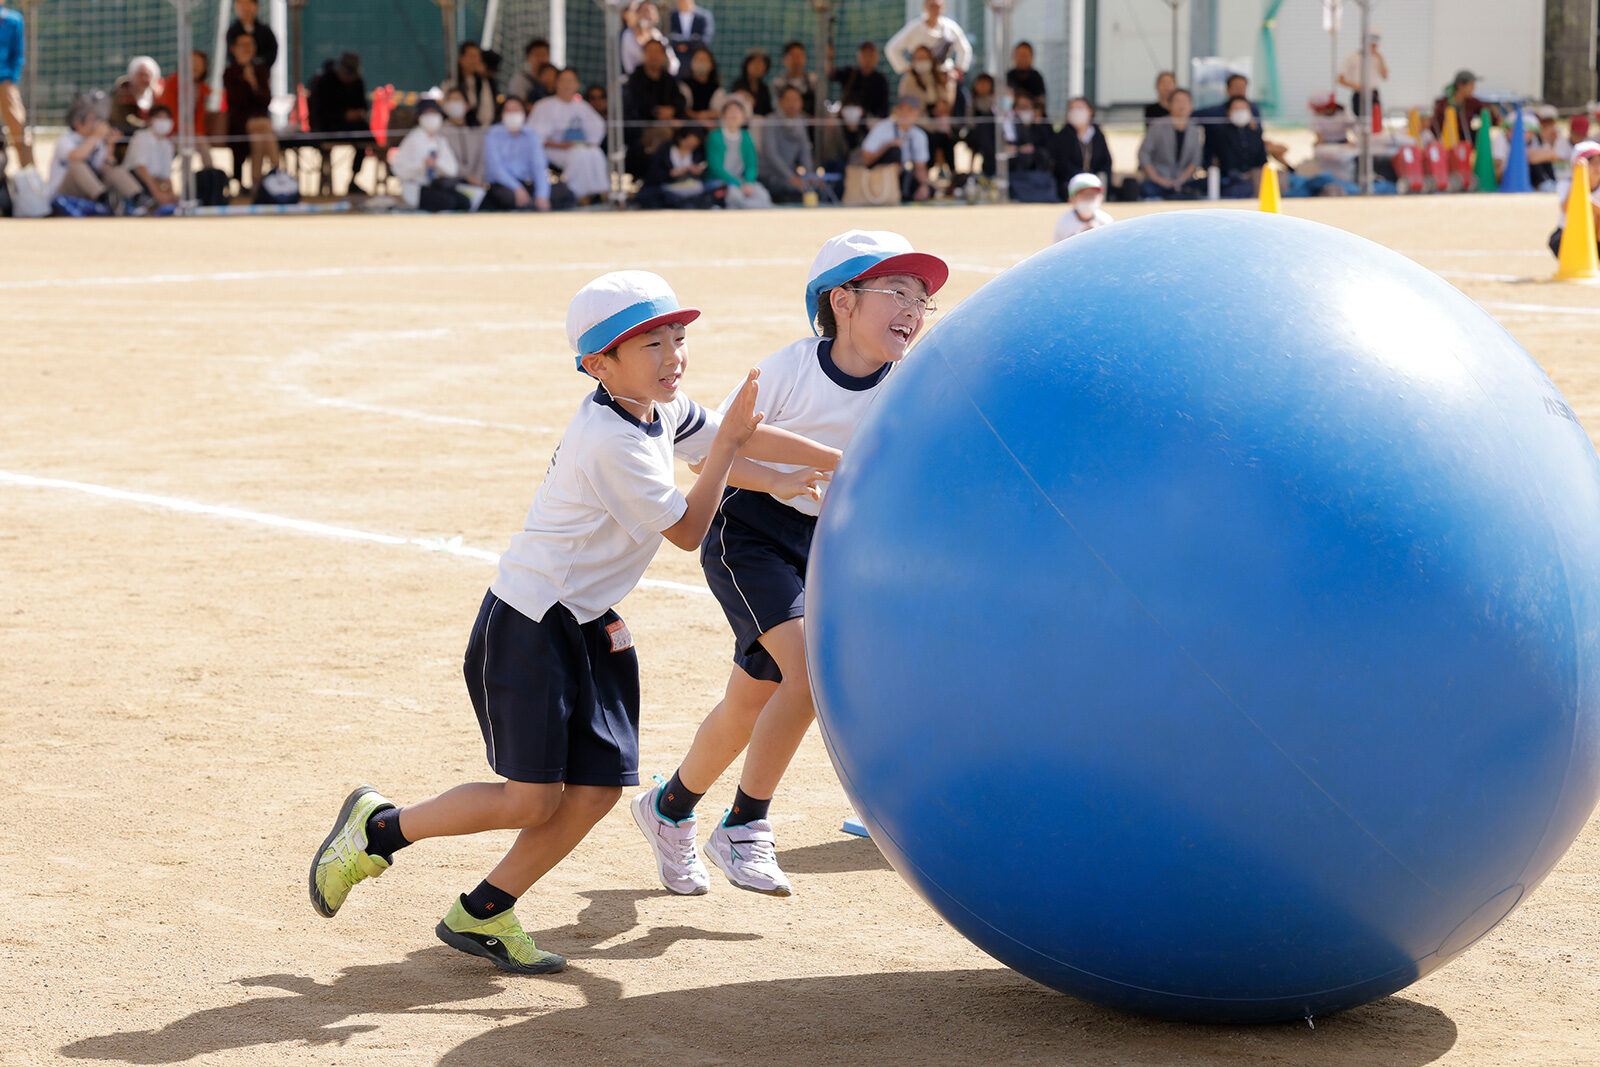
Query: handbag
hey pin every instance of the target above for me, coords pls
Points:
(872, 186)
(27, 195)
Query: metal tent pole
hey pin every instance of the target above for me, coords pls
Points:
(1365, 117)
(819, 108)
(30, 84)
(1002, 163)
(615, 130)
(184, 119)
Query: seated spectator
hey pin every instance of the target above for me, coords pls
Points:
(1080, 147)
(898, 139)
(689, 29)
(863, 88)
(150, 157)
(786, 161)
(1459, 97)
(1028, 136)
(731, 159)
(337, 105)
(200, 66)
(429, 172)
(1171, 152)
(1237, 149)
(1217, 114)
(596, 95)
(514, 163)
(703, 82)
(82, 165)
(547, 78)
(641, 26)
(677, 171)
(466, 142)
(979, 131)
(1548, 147)
(1023, 78)
(939, 96)
(943, 37)
(134, 94)
(246, 24)
(795, 75)
(572, 133)
(1334, 157)
(1086, 193)
(1166, 85)
(1585, 167)
(653, 101)
(525, 83)
(244, 85)
(752, 81)
(477, 87)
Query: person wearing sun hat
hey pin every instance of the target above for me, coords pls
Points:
(550, 666)
(867, 297)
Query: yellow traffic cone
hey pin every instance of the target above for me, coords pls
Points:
(1414, 125)
(1450, 134)
(1578, 259)
(1269, 189)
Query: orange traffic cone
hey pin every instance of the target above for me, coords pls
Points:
(1578, 259)
(1269, 189)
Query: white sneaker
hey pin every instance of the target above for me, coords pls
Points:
(677, 859)
(748, 855)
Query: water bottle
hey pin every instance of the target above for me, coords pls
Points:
(1213, 183)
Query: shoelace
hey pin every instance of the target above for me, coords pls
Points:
(760, 849)
(684, 849)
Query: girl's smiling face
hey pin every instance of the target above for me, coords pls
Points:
(879, 329)
(646, 369)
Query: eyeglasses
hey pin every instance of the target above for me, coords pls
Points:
(926, 305)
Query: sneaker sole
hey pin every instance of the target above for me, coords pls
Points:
(639, 821)
(465, 944)
(350, 803)
(781, 891)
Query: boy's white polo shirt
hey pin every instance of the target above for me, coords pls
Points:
(596, 520)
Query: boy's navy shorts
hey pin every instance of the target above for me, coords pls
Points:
(754, 557)
(558, 701)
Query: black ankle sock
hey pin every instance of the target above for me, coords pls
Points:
(486, 900)
(383, 833)
(675, 802)
(746, 808)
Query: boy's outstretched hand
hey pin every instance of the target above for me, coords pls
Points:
(742, 418)
(807, 481)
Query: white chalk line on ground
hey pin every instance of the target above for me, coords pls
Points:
(449, 546)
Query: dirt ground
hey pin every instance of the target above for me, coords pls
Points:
(187, 692)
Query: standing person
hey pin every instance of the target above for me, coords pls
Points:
(1166, 85)
(1170, 154)
(244, 85)
(795, 75)
(1024, 78)
(246, 24)
(550, 666)
(690, 27)
(572, 133)
(1080, 147)
(641, 28)
(13, 52)
(867, 296)
(1350, 73)
(731, 158)
(1086, 193)
(525, 83)
(1460, 97)
(479, 89)
(1586, 168)
(514, 163)
(944, 38)
(898, 139)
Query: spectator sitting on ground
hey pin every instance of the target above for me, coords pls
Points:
(1166, 85)
(1080, 147)
(653, 101)
(337, 104)
(572, 133)
(703, 82)
(1548, 147)
(677, 170)
(1460, 99)
(525, 83)
(731, 158)
(1333, 156)
(1171, 152)
(1028, 136)
(1350, 73)
(82, 166)
(200, 67)
(13, 50)
(246, 23)
(942, 36)
(795, 75)
(938, 95)
(642, 21)
(786, 159)
(429, 172)
(466, 142)
(689, 28)
(899, 140)
(1023, 78)
(244, 85)
(1585, 167)
(476, 86)
(514, 163)
(862, 87)
(752, 81)
(150, 157)
(1086, 193)
(134, 94)
(979, 132)
(1236, 148)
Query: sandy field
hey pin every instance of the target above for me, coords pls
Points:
(253, 473)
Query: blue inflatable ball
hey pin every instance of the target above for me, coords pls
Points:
(1205, 619)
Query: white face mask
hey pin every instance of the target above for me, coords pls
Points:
(851, 113)
(456, 109)
(161, 127)
(1025, 116)
(431, 121)
(1078, 116)
(1240, 116)
(923, 66)
(1086, 206)
(513, 120)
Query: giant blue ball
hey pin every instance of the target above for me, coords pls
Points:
(1205, 619)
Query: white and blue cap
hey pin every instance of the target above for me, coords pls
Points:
(858, 254)
(620, 305)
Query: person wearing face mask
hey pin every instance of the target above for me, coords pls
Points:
(429, 172)
(978, 133)
(939, 96)
(731, 158)
(702, 82)
(466, 142)
(572, 133)
(1237, 149)
(1080, 147)
(150, 158)
(1086, 193)
(943, 36)
(514, 163)
(1029, 136)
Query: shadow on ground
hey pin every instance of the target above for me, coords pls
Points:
(835, 857)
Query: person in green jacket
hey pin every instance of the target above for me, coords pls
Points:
(731, 158)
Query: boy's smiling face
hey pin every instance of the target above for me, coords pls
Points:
(646, 369)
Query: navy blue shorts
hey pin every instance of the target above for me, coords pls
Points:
(754, 557)
(557, 701)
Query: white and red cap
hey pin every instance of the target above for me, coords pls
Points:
(856, 255)
(1083, 181)
(1584, 149)
(620, 305)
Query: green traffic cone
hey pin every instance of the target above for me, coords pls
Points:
(1483, 157)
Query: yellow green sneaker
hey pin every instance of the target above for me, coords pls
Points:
(342, 859)
(500, 940)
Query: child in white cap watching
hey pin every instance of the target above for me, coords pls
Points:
(1086, 192)
(550, 666)
(1585, 167)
